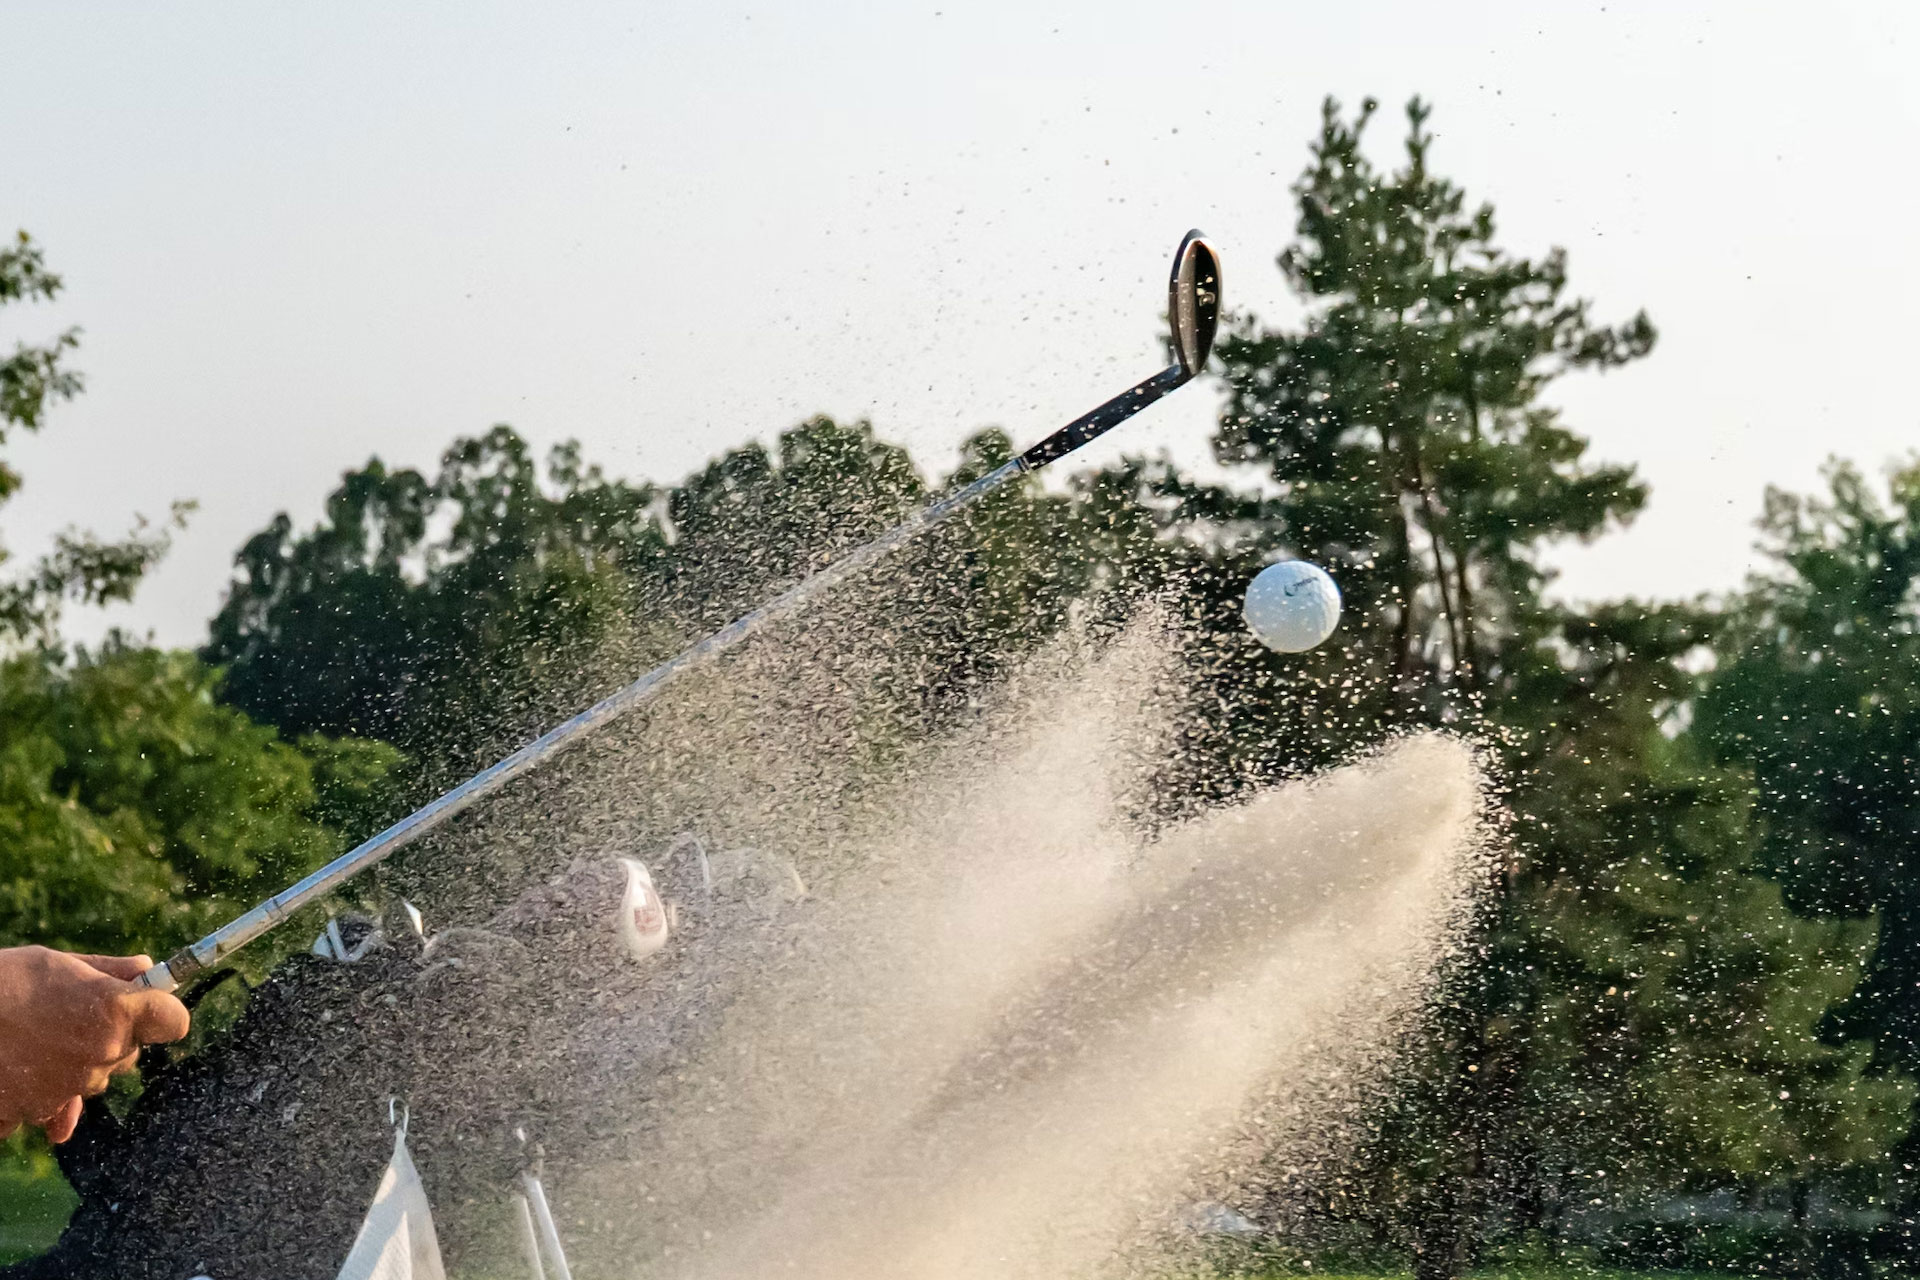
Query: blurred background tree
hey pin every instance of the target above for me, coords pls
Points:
(1404, 422)
(1815, 693)
(427, 613)
(1638, 1016)
(33, 379)
(135, 808)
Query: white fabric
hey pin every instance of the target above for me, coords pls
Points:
(396, 1242)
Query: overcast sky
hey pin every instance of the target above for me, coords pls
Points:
(299, 234)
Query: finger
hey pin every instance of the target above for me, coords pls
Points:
(61, 1124)
(124, 967)
(155, 1017)
(127, 1063)
(96, 1083)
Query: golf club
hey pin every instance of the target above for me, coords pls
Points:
(1194, 315)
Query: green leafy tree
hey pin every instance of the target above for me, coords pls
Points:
(1404, 422)
(442, 615)
(1654, 1001)
(1638, 1002)
(458, 616)
(33, 379)
(135, 809)
(1816, 693)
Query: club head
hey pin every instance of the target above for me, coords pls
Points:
(1193, 301)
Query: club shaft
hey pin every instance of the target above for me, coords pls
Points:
(549, 1233)
(1091, 426)
(529, 1238)
(237, 933)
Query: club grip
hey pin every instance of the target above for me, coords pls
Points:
(158, 978)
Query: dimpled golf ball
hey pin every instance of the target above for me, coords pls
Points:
(1292, 606)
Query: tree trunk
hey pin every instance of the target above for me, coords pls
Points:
(1407, 587)
(1462, 558)
(1801, 1260)
(1436, 1250)
(1433, 522)
(1401, 488)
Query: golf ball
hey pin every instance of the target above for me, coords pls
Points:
(1292, 606)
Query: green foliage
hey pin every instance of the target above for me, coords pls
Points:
(136, 810)
(1666, 1000)
(33, 376)
(426, 612)
(459, 616)
(1816, 693)
(1641, 1012)
(35, 1201)
(1404, 422)
(1669, 989)
(79, 567)
(751, 518)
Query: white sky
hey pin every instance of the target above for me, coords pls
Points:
(298, 234)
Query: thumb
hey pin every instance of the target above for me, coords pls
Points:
(61, 1124)
(156, 1017)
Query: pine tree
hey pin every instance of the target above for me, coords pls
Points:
(1404, 423)
(1639, 1010)
(1816, 692)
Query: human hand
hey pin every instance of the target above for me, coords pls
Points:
(68, 1023)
